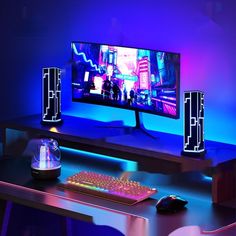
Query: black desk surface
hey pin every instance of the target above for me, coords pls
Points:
(16, 184)
(113, 139)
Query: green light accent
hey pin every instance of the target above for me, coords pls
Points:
(143, 53)
(127, 77)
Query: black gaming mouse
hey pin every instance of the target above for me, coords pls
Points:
(171, 203)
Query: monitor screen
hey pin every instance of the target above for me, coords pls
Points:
(126, 77)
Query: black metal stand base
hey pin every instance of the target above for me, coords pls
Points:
(55, 123)
(194, 154)
(45, 174)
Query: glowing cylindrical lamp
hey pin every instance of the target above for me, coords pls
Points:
(51, 95)
(194, 144)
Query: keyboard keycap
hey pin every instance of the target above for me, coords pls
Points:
(108, 187)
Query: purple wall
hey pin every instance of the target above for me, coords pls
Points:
(37, 34)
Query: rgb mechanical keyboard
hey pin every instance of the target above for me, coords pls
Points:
(109, 187)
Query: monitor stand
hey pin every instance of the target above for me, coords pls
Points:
(139, 127)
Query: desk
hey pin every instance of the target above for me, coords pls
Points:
(17, 185)
(158, 155)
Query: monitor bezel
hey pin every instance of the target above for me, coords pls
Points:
(94, 102)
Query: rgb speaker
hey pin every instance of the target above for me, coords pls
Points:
(193, 124)
(46, 158)
(51, 95)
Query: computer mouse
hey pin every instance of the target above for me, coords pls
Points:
(171, 203)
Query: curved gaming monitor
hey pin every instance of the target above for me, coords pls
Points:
(132, 78)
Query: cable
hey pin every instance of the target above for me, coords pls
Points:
(220, 229)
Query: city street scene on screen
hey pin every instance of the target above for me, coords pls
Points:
(131, 78)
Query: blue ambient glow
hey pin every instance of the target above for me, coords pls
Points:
(207, 56)
(207, 178)
(125, 164)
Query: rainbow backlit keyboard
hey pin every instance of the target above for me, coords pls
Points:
(108, 187)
